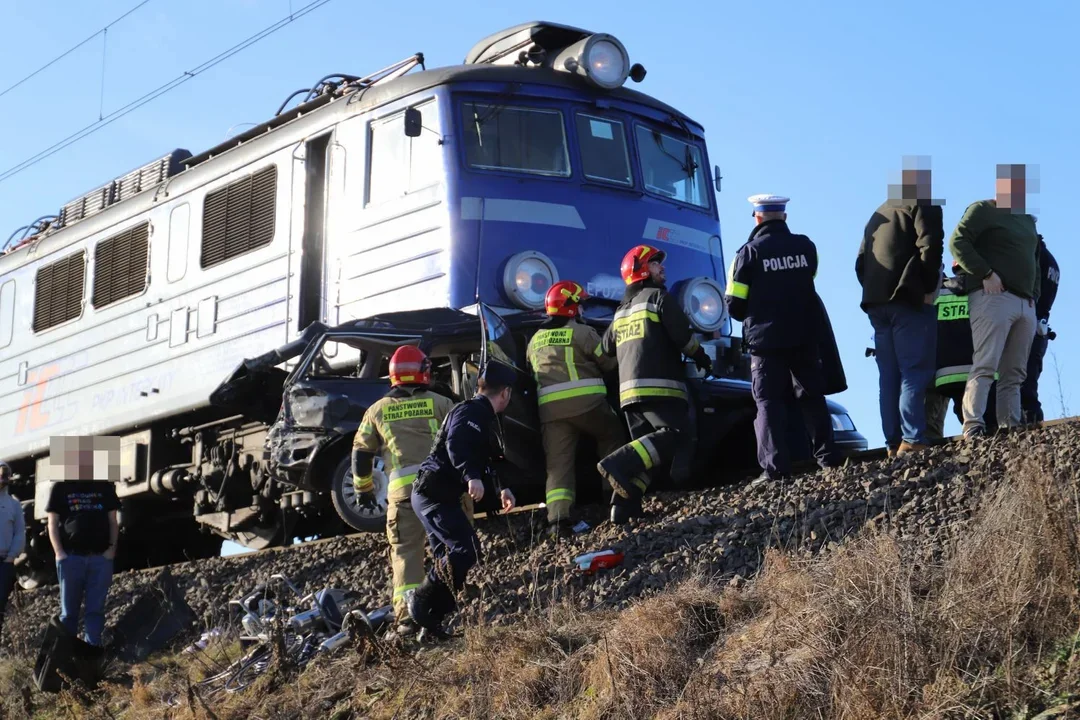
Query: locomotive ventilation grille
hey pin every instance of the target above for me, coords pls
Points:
(120, 265)
(239, 217)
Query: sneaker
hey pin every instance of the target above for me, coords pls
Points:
(910, 447)
(890, 451)
(974, 432)
(406, 627)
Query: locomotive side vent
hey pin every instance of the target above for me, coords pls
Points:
(120, 265)
(239, 217)
(58, 291)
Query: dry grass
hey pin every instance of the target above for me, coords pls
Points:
(868, 631)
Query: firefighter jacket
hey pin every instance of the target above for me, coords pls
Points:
(649, 335)
(770, 289)
(567, 359)
(955, 347)
(401, 427)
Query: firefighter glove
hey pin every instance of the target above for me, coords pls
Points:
(701, 359)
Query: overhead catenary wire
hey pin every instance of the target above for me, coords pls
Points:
(72, 49)
(159, 91)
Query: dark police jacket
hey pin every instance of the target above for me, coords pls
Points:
(955, 347)
(461, 452)
(649, 335)
(771, 289)
(1051, 276)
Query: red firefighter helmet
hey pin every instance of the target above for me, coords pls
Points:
(410, 366)
(635, 264)
(564, 297)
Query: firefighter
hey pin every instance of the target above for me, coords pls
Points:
(567, 360)
(459, 462)
(400, 427)
(771, 290)
(954, 352)
(648, 335)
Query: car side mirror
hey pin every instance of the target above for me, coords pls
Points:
(414, 122)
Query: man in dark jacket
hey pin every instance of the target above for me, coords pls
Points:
(771, 290)
(458, 463)
(1029, 391)
(899, 268)
(997, 247)
(649, 335)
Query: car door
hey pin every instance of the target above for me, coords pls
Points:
(519, 424)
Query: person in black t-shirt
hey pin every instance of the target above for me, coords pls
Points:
(83, 530)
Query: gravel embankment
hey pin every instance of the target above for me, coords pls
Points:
(719, 533)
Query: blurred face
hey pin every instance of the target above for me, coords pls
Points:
(1011, 187)
(5, 476)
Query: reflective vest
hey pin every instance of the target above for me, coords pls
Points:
(401, 427)
(568, 364)
(649, 335)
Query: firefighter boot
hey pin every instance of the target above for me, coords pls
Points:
(626, 468)
(623, 510)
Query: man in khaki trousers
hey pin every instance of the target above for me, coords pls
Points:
(997, 247)
(568, 365)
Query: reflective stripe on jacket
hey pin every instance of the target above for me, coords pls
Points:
(649, 335)
(568, 364)
(401, 428)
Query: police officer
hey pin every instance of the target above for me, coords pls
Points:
(771, 290)
(1029, 391)
(401, 427)
(955, 349)
(567, 360)
(649, 334)
(458, 462)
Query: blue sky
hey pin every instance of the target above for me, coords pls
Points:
(817, 101)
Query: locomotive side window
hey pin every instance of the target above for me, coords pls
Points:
(239, 217)
(179, 223)
(671, 167)
(7, 312)
(58, 291)
(401, 164)
(120, 266)
(528, 140)
(603, 150)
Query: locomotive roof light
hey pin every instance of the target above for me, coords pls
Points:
(600, 58)
(527, 277)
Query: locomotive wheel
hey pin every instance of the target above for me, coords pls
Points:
(344, 497)
(260, 537)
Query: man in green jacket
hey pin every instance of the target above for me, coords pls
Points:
(997, 248)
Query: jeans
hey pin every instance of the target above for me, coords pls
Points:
(905, 343)
(7, 583)
(84, 578)
(1002, 328)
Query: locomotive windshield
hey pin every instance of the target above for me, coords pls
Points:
(534, 141)
(671, 167)
(522, 139)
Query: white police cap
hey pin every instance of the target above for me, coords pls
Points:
(769, 203)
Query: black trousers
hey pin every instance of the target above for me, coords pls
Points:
(776, 375)
(1029, 391)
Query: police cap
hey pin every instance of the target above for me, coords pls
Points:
(769, 203)
(498, 374)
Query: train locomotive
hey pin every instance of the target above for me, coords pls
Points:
(462, 189)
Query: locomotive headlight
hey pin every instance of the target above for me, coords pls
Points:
(527, 277)
(601, 58)
(703, 303)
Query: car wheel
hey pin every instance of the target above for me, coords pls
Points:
(344, 497)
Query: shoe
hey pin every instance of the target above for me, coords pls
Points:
(910, 447)
(560, 529)
(975, 432)
(429, 604)
(406, 627)
(768, 477)
(623, 510)
(890, 451)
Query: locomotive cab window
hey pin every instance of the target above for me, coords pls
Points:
(58, 292)
(239, 217)
(671, 168)
(527, 140)
(401, 164)
(120, 266)
(603, 150)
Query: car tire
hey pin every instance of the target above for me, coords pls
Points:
(343, 496)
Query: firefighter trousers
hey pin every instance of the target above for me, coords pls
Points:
(407, 535)
(662, 440)
(560, 450)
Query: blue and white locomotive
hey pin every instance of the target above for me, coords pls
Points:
(457, 188)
